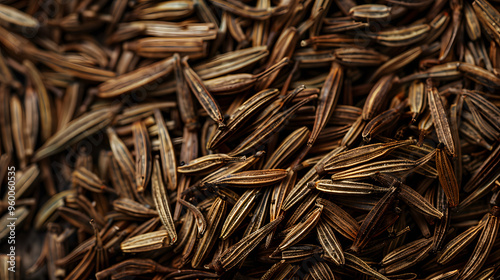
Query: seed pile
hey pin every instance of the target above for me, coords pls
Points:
(227, 139)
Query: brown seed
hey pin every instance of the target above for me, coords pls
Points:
(143, 162)
(89, 122)
(300, 231)
(358, 264)
(447, 178)
(483, 246)
(242, 114)
(214, 218)
(488, 16)
(460, 242)
(330, 243)
(239, 251)
(267, 129)
(239, 212)
(204, 97)
(327, 100)
(135, 79)
(362, 154)
(440, 119)
(167, 153)
(252, 178)
(44, 101)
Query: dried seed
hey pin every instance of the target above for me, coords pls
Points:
(239, 251)
(472, 25)
(122, 155)
(146, 242)
(402, 36)
(143, 162)
(259, 215)
(358, 264)
(90, 181)
(414, 255)
(300, 253)
(201, 223)
(347, 187)
(330, 244)
(133, 208)
(447, 178)
(398, 62)
(44, 101)
(440, 119)
(267, 129)
(278, 195)
(162, 202)
(289, 145)
(320, 270)
(417, 99)
(16, 111)
(369, 169)
(370, 12)
(362, 154)
(483, 246)
(480, 75)
(252, 178)
(242, 115)
(382, 121)
(300, 231)
(230, 62)
(377, 97)
(374, 217)
(238, 213)
(488, 16)
(204, 97)
(299, 190)
(214, 218)
(167, 153)
(207, 164)
(327, 100)
(135, 79)
(45, 213)
(89, 123)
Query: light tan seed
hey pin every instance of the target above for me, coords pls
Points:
(252, 178)
(370, 12)
(146, 242)
(162, 203)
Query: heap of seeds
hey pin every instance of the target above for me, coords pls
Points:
(228, 139)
